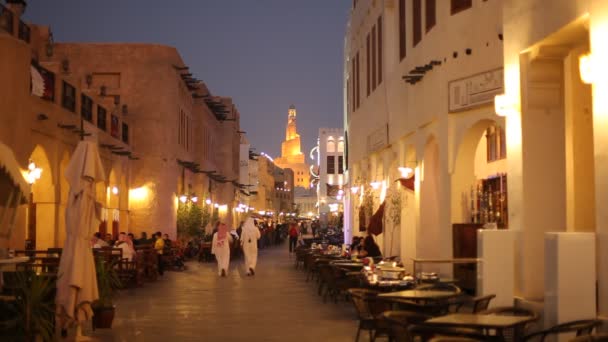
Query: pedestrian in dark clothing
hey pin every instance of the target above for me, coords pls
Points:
(293, 237)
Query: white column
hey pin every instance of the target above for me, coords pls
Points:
(496, 271)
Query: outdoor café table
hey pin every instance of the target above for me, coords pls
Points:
(348, 265)
(485, 322)
(420, 296)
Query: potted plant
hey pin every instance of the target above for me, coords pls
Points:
(31, 315)
(107, 283)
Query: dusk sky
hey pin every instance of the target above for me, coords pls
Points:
(265, 54)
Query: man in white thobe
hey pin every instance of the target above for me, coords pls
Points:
(220, 247)
(249, 240)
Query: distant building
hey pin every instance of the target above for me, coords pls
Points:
(291, 152)
(330, 162)
(306, 202)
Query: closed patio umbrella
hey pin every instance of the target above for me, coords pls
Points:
(77, 280)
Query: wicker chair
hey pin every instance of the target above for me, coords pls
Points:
(427, 332)
(514, 334)
(399, 320)
(591, 338)
(369, 310)
(581, 327)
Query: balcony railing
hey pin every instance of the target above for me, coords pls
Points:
(24, 31)
(6, 20)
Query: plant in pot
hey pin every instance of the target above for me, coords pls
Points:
(107, 283)
(31, 315)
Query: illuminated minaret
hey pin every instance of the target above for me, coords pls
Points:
(291, 152)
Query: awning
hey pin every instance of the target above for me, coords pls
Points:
(10, 176)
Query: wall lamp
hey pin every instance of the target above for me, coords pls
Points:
(504, 105)
(586, 68)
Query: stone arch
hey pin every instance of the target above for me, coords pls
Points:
(464, 171)
(42, 210)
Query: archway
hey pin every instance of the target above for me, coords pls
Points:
(42, 209)
(429, 232)
(478, 191)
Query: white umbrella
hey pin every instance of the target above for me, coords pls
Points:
(77, 282)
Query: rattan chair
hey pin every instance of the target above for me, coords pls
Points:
(581, 328)
(369, 310)
(591, 338)
(398, 322)
(426, 332)
(514, 334)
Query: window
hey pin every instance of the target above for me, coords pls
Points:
(340, 145)
(374, 57)
(354, 78)
(125, 133)
(379, 49)
(460, 5)
(68, 98)
(114, 126)
(331, 165)
(401, 29)
(358, 82)
(368, 61)
(331, 145)
(101, 118)
(340, 165)
(86, 108)
(431, 14)
(496, 143)
(417, 22)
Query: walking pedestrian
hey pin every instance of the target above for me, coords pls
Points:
(250, 235)
(293, 236)
(220, 247)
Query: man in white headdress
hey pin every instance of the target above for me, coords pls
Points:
(249, 241)
(220, 247)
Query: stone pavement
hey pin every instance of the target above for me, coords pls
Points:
(196, 305)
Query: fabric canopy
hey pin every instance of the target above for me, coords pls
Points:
(12, 177)
(77, 282)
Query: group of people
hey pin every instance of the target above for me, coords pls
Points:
(248, 238)
(365, 247)
(127, 243)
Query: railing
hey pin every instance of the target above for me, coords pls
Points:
(24, 31)
(6, 19)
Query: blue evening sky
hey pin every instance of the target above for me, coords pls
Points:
(265, 54)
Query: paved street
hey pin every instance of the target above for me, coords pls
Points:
(195, 305)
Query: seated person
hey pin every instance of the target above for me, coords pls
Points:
(369, 248)
(97, 241)
(126, 245)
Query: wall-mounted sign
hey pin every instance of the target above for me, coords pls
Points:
(377, 139)
(475, 90)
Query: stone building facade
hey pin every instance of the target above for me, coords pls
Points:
(41, 107)
(499, 112)
(185, 141)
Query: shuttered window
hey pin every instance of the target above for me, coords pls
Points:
(379, 49)
(374, 57)
(401, 29)
(368, 61)
(460, 5)
(417, 22)
(431, 14)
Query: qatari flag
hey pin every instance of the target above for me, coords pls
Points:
(43, 82)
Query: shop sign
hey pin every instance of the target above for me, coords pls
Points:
(475, 90)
